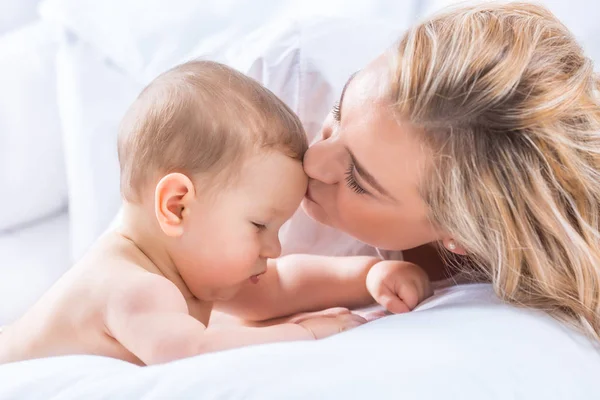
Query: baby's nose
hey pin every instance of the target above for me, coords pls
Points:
(272, 249)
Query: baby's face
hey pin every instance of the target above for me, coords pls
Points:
(229, 236)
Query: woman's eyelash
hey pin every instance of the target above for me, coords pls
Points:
(335, 111)
(351, 182)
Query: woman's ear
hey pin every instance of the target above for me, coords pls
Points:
(172, 198)
(452, 246)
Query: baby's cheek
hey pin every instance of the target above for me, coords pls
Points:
(242, 254)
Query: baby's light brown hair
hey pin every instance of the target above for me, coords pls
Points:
(202, 117)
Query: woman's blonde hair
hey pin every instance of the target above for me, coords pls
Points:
(510, 107)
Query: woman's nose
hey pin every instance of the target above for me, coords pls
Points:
(322, 160)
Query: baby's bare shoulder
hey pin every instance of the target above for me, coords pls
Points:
(123, 285)
(142, 291)
(115, 261)
(113, 269)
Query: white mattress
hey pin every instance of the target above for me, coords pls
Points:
(33, 258)
(461, 344)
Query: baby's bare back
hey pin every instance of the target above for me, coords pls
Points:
(70, 317)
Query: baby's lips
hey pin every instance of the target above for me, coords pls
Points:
(255, 278)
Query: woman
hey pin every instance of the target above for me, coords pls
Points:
(479, 132)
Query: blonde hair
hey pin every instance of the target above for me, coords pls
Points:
(510, 107)
(202, 117)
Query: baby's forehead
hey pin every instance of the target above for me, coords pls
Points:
(275, 177)
(269, 163)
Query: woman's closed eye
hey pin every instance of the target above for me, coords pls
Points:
(336, 111)
(351, 181)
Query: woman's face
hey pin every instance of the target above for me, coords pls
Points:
(366, 167)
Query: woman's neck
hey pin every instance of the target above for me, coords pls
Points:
(428, 258)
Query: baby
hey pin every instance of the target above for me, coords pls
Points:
(211, 167)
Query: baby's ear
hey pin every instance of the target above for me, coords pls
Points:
(174, 194)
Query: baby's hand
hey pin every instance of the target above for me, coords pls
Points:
(328, 322)
(398, 285)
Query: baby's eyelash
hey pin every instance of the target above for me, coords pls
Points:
(259, 226)
(351, 182)
(335, 111)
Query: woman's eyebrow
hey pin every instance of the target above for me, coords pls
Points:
(344, 91)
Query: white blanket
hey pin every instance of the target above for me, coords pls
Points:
(461, 344)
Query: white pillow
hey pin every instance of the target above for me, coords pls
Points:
(146, 37)
(16, 13)
(93, 96)
(32, 174)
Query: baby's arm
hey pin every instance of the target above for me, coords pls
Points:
(300, 283)
(150, 318)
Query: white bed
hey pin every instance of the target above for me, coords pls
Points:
(461, 344)
(79, 66)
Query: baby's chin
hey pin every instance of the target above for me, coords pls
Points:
(220, 294)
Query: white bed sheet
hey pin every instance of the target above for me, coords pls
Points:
(32, 259)
(461, 344)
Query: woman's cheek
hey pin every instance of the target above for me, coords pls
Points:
(349, 210)
(360, 217)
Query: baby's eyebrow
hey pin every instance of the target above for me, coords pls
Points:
(275, 211)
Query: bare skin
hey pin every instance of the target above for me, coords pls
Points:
(304, 283)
